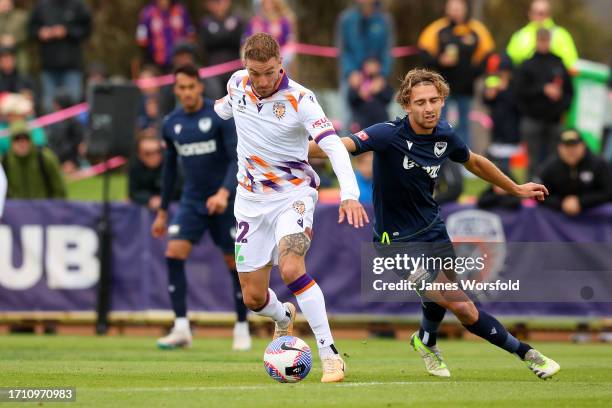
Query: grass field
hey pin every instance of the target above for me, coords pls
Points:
(129, 371)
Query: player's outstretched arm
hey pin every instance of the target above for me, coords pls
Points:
(486, 170)
(350, 207)
(315, 152)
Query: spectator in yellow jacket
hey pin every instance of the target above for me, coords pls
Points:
(522, 45)
(456, 46)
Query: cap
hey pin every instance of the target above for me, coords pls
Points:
(19, 128)
(184, 48)
(570, 137)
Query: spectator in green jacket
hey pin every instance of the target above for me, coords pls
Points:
(32, 173)
(523, 42)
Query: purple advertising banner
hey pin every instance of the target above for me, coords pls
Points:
(49, 258)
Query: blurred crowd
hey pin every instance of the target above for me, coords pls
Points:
(525, 85)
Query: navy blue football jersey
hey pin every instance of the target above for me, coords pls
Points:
(205, 147)
(405, 170)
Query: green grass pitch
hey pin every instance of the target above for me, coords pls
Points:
(130, 371)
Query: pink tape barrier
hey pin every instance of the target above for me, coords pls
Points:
(98, 169)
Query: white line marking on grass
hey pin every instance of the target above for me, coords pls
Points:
(258, 387)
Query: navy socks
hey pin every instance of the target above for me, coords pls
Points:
(490, 329)
(433, 314)
(177, 286)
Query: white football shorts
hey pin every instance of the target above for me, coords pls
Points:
(260, 225)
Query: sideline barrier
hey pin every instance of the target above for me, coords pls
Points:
(48, 260)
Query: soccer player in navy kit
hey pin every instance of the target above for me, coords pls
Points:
(205, 147)
(408, 153)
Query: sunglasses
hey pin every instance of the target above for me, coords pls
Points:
(151, 152)
(21, 137)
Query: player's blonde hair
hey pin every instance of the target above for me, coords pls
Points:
(419, 76)
(261, 47)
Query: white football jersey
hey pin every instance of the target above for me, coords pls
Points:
(273, 135)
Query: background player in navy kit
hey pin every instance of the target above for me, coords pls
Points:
(205, 147)
(408, 153)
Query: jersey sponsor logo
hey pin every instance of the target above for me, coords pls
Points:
(205, 124)
(279, 110)
(432, 171)
(440, 148)
(409, 143)
(409, 163)
(322, 123)
(196, 149)
(177, 129)
(362, 135)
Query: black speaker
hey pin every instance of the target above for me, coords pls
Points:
(113, 114)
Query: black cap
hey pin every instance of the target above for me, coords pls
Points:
(184, 48)
(570, 137)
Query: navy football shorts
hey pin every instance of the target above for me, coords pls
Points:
(192, 221)
(433, 242)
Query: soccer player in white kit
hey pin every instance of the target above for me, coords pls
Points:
(277, 193)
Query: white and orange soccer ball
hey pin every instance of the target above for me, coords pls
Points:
(288, 359)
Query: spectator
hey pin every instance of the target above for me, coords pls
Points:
(60, 27)
(32, 173)
(66, 137)
(276, 18)
(544, 91)
(149, 115)
(363, 174)
(449, 185)
(522, 45)
(14, 31)
(162, 24)
(220, 33)
(499, 96)
(12, 80)
(14, 108)
(185, 54)
(576, 178)
(456, 46)
(369, 96)
(146, 172)
(363, 31)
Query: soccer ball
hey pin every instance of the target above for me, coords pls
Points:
(288, 359)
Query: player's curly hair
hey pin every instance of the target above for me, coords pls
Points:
(420, 76)
(261, 47)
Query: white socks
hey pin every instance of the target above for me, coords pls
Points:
(181, 323)
(274, 309)
(312, 304)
